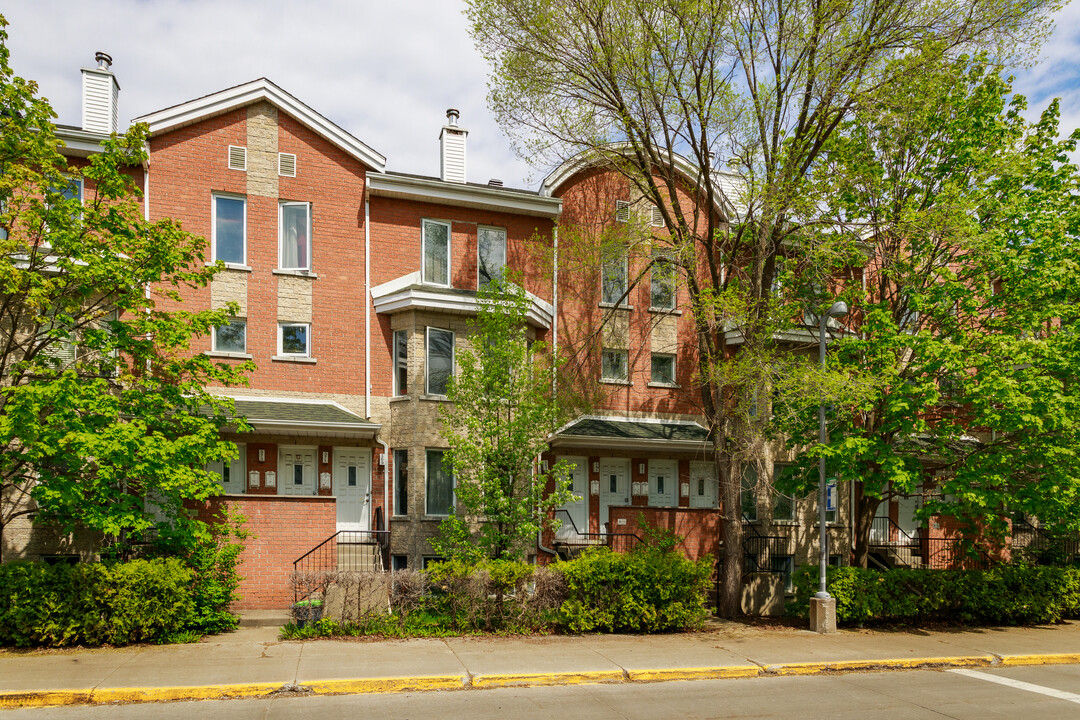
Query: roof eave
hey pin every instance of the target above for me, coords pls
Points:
(446, 193)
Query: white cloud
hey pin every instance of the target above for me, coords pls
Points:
(386, 72)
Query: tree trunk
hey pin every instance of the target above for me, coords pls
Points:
(729, 602)
(865, 509)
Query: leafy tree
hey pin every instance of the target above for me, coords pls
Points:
(102, 405)
(633, 84)
(501, 414)
(965, 329)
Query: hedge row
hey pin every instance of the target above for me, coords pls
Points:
(1006, 595)
(94, 603)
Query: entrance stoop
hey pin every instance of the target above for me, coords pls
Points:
(265, 618)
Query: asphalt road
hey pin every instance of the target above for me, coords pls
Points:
(1028, 693)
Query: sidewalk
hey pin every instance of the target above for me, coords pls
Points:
(251, 662)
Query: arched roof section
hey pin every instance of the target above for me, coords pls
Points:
(728, 185)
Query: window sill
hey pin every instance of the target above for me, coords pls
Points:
(295, 273)
(294, 359)
(786, 523)
(400, 398)
(228, 355)
(665, 311)
(669, 386)
(232, 266)
(610, 381)
(613, 306)
(435, 398)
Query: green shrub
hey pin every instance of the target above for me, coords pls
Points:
(1006, 595)
(213, 560)
(93, 603)
(650, 589)
(490, 595)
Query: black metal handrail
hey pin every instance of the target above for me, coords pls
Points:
(1041, 546)
(897, 548)
(619, 541)
(758, 551)
(344, 551)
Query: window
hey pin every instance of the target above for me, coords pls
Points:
(663, 369)
(401, 482)
(294, 339)
(440, 484)
(783, 505)
(663, 284)
(783, 565)
(230, 229)
(401, 362)
(231, 338)
(748, 494)
(614, 365)
(491, 255)
(440, 360)
(436, 242)
(294, 223)
(613, 279)
(399, 562)
(622, 211)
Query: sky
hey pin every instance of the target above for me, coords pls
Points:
(384, 70)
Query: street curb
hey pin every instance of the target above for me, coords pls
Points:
(364, 686)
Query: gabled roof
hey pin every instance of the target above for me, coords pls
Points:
(262, 89)
(472, 195)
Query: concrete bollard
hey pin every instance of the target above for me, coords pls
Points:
(823, 615)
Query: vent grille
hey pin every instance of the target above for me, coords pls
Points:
(286, 164)
(622, 211)
(237, 158)
(657, 217)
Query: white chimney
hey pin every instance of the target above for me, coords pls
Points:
(452, 144)
(100, 92)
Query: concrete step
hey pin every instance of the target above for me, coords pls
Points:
(358, 557)
(264, 618)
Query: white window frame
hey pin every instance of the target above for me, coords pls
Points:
(395, 362)
(622, 211)
(281, 339)
(282, 204)
(623, 298)
(674, 368)
(214, 337)
(427, 477)
(505, 248)
(427, 358)
(423, 251)
(626, 366)
(214, 226)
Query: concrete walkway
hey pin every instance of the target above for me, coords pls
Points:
(252, 662)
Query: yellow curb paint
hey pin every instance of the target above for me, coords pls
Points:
(558, 678)
(193, 692)
(707, 673)
(44, 698)
(385, 685)
(814, 668)
(1050, 659)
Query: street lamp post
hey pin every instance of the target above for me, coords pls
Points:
(822, 605)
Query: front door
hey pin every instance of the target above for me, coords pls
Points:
(703, 484)
(352, 486)
(577, 512)
(614, 487)
(662, 481)
(296, 471)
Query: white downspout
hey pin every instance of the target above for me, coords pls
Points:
(555, 305)
(367, 308)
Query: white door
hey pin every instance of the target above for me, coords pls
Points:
(296, 471)
(614, 487)
(352, 487)
(577, 508)
(663, 479)
(907, 505)
(879, 529)
(703, 484)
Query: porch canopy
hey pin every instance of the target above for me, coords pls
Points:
(591, 431)
(303, 417)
